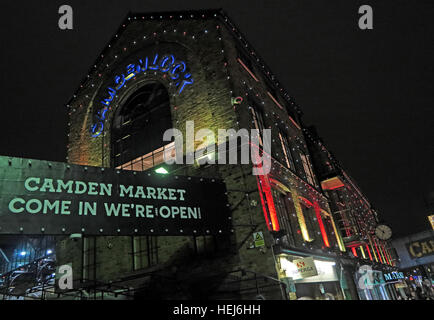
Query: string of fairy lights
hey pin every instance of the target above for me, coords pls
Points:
(105, 61)
(286, 175)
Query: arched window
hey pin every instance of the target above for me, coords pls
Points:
(138, 128)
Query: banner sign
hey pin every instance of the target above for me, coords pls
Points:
(42, 197)
(421, 248)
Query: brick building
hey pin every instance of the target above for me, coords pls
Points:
(159, 71)
(355, 216)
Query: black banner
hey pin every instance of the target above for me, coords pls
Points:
(42, 197)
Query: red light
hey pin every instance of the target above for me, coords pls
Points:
(369, 252)
(265, 184)
(321, 224)
(247, 69)
(354, 251)
(264, 207)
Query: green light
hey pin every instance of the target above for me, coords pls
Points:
(161, 170)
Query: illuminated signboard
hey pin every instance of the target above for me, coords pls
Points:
(41, 197)
(177, 71)
(309, 270)
(306, 267)
(421, 248)
(431, 220)
(393, 276)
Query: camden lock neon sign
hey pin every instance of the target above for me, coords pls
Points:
(176, 70)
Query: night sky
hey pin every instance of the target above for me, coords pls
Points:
(370, 93)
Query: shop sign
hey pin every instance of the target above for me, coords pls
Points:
(367, 278)
(258, 238)
(393, 276)
(421, 248)
(306, 267)
(41, 197)
(400, 285)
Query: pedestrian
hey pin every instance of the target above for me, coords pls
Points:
(430, 293)
(412, 295)
(419, 294)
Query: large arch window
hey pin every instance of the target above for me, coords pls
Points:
(138, 128)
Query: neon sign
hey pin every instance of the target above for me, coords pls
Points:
(394, 276)
(175, 69)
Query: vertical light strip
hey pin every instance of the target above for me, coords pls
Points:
(363, 252)
(372, 248)
(353, 249)
(338, 235)
(270, 202)
(385, 253)
(379, 255)
(369, 252)
(390, 257)
(264, 207)
(265, 188)
(321, 223)
(300, 216)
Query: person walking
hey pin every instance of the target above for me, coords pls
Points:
(419, 294)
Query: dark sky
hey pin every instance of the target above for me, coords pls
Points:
(370, 93)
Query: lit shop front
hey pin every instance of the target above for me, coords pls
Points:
(371, 285)
(310, 278)
(395, 284)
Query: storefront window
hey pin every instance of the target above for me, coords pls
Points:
(324, 285)
(288, 218)
(371, 285)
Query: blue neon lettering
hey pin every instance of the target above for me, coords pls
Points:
(176, 66)
(154, 64)
(146, 65)
(163, 62)
(184, 83)
(130, 72)
(112, 93)
(101, 114)
(96, 133)
(117, 78)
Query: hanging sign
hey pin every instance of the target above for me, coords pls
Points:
(306, 267)
(58, 198)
